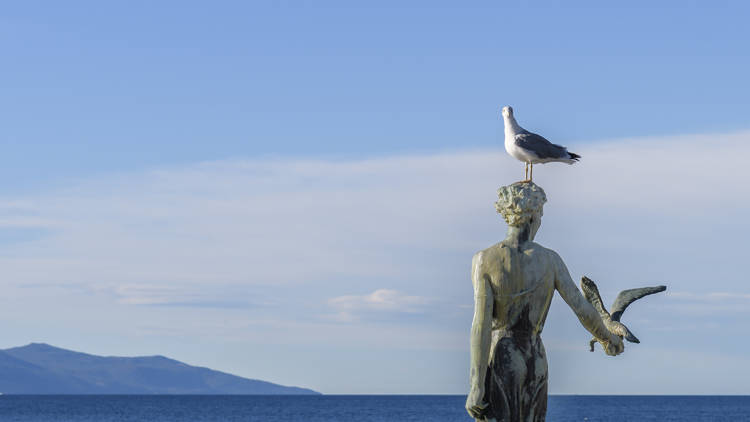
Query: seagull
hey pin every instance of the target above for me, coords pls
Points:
(530, 147)
(625, 298)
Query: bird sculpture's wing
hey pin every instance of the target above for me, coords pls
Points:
(626, 297)
(540, 146)
(591, 293)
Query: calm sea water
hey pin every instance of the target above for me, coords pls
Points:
(356, 408)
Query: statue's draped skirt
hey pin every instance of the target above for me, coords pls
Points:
(516, 381)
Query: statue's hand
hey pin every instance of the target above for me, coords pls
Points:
(614, 346)
(475, 404)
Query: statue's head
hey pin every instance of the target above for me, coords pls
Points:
(521, 204)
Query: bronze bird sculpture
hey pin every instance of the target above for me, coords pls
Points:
(625, 298)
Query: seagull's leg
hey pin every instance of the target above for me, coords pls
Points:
(531, 175)
(526, 172)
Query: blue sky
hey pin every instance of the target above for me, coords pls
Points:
(208, 181)
(94, 88)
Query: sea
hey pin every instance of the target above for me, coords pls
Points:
(356, 408)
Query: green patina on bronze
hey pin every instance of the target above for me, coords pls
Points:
(514, 282)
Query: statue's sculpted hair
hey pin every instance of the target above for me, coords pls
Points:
(519, 202)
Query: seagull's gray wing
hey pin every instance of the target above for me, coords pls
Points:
(591, 293)
(540, 146)
(626, 297)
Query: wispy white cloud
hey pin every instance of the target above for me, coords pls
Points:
(711, 296)
(714, 303)
(351, 307)
(26, 222)
(306, 237)
(184, 296)
(381, 300)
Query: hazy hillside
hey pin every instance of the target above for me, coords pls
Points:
(43, 369)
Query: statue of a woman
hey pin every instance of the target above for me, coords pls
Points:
(514, 282)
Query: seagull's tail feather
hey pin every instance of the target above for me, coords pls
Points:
(573, 156)
(630, 337)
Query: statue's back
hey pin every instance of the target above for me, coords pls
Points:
(522, 285)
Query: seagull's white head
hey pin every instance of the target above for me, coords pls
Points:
(507, 112)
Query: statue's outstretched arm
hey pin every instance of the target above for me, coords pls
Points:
(481, 336)
(586, 313)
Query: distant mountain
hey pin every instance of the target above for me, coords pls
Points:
(39, 368)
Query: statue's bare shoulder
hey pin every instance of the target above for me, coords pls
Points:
(487, 258)
(490, 257)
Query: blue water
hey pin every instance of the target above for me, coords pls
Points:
(356, 408)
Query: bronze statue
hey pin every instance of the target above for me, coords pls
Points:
(514, 282)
